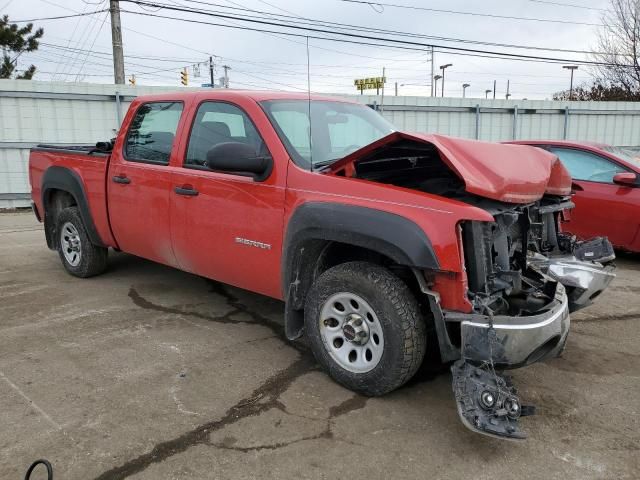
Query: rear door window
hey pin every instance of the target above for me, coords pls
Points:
(587, 166)
(152, 132)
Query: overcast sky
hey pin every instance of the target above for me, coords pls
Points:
(266, 61)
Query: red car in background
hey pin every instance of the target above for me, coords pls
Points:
(606, 185)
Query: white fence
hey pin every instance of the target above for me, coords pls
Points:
(64, 113)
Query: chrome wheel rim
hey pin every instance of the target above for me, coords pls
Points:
(351, 332)
(70, 242)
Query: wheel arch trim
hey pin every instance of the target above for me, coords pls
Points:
(386, 233)
(66, 180)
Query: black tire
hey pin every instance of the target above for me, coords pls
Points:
(398, 314)
(93, 259)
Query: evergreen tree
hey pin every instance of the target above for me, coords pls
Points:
(14, 41)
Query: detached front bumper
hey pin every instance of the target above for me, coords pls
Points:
(487, 402)
(514, 341)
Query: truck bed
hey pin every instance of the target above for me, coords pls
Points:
(89, 169)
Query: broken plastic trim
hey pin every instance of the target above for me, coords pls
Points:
(584, 279)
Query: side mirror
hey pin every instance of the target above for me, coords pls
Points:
(239, 158)
(627, 179)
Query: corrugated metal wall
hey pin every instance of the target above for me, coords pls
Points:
(53, 112)
(616, 123)
(42, 112)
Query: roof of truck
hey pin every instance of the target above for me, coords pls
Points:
(229, 94)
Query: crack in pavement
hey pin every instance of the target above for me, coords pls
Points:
(608, 318)
(351, 404)
(232, 301)
(263, 398)
(270, 390)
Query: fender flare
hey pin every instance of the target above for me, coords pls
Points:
(315, 223)
(61, 178)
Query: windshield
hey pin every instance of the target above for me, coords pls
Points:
(627, 155)
(337, 129)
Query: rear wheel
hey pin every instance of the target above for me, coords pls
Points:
(365, 327)
(79, 256)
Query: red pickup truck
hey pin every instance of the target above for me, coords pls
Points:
(375, 239)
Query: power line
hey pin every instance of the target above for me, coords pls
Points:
(74, 57)
(298, 25)
(572, 5)
(73, 33)
(92, 44)
(474, 14)
(324, 23)
(59, 17)
(180, 62)
(109, 54)
(281, 9)
(397, 43)
(269, 80)
(280, 35)
(177, 63)
(160, 39)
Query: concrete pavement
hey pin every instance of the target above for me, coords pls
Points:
(147, 372)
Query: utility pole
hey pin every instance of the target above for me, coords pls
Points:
(433, 59)
(116, 42)
(211, 72)
(226, 75)
(508, 94)
(396, 89)
(464, 89)
(494, 89)
(572, 68)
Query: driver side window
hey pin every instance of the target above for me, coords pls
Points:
(216, 123)
(587, 166)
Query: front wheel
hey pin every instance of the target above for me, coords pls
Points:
(79, 256)
(365, 327)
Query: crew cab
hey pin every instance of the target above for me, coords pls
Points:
(375, 239)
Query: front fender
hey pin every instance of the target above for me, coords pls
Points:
(313, 224)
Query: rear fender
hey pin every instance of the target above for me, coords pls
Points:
(66, 180)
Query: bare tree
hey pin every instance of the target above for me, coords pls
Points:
(619, 47)
(598, 92)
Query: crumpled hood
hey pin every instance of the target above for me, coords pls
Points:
(508, 173)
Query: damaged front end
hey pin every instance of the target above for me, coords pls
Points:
(522, 275)
(524, 278)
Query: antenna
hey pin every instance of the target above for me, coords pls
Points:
(383, 81)
(309, 104)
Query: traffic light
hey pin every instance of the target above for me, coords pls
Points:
(184, 77)
(132, 80)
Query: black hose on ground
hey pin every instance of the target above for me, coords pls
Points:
(35, 464)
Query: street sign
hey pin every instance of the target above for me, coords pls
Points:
(206, 85)
(370, 83)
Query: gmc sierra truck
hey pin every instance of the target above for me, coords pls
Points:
(374, 238)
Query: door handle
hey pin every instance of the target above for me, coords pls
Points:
(187, 191)
(576, 188)
(121, 179)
